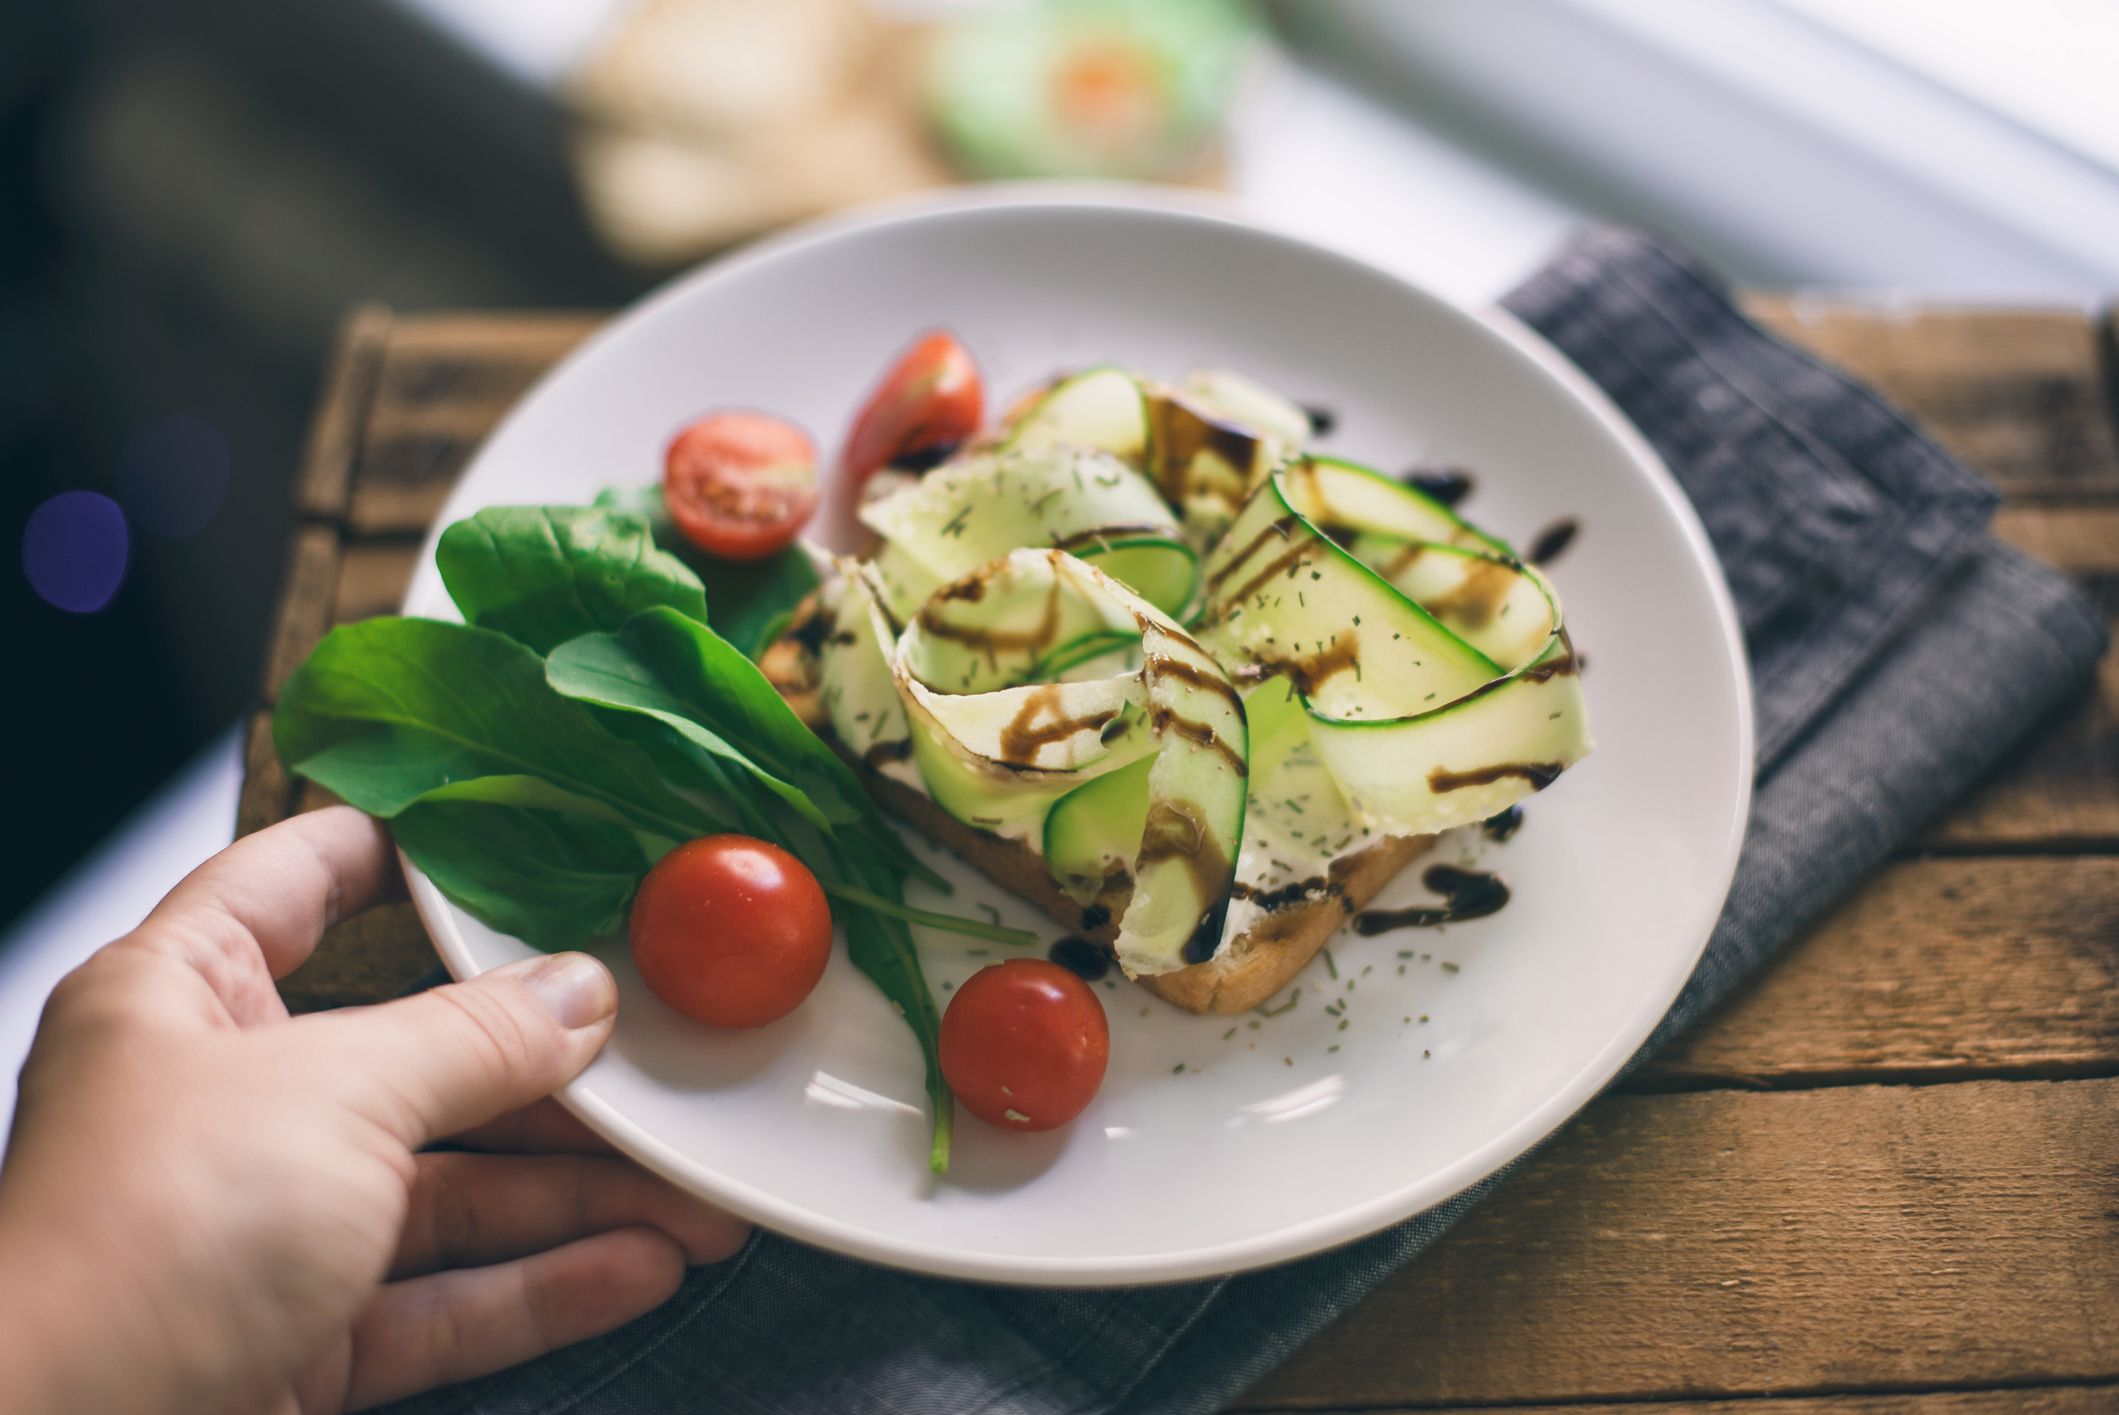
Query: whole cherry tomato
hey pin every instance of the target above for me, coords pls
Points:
(1024, 1044)
(730, 930)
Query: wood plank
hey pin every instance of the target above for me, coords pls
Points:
(1730, 1242)
(445, 381)
(2060, 790)
(266, 792)
(2020, 395)
(1935, 969)
(372, 576)
(2098, 1399)
(305, 605)
(377, 956)
(326, 474)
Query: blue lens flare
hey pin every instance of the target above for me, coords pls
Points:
(75, 549)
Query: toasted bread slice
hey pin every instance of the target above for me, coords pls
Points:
(1255, 965)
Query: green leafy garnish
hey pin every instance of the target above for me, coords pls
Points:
(542, 574)
(750, 603)
(537, 760)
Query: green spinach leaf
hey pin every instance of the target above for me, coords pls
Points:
(749, 603)
(387, 710)
(682, 672)
(543, 574)
(685, 677)
(551, 878)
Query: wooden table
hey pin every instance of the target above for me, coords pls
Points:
(1883, 1178)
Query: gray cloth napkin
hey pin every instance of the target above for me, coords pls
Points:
(1898, 652)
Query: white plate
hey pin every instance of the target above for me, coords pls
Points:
(1291, 1135)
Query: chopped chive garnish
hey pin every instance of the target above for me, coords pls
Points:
(948, 923)
(1332, 964)
(1450, 968)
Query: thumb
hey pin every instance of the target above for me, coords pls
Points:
(458, 1056)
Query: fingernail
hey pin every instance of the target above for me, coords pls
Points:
(576, 989)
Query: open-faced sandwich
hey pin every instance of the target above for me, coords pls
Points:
(1138, 652)
(1197, 691)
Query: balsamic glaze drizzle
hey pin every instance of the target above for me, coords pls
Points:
(1548, 543)
(1503, 826)
(1448, 485)
(1466, 894)
(1080, 957)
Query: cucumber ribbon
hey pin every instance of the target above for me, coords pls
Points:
(1002, 740)
(1015, 648)
(1433, 666)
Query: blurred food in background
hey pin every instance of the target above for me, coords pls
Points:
(1089, 88)
(699, 122)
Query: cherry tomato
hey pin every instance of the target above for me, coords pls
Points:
(740, 485)
(932, 397)
(1024, 1044)
(730, 930)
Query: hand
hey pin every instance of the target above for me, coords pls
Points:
(207, 1205)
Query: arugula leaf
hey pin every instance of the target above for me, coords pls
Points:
(389, 709)
(550, 878)
(543, 574)
(749, 603)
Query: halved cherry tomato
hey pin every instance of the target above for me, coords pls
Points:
(1024, 1044)
(740, 485)
(931, 398)
(730, 930)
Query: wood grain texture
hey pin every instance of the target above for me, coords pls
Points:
(373, 957)
(372, 576)
(1936, 969)
(305, 605)
(2018, 394)
(1731, 1242)
(445, 380)
(326, 477)
(266, 795)
(2097, 1399)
